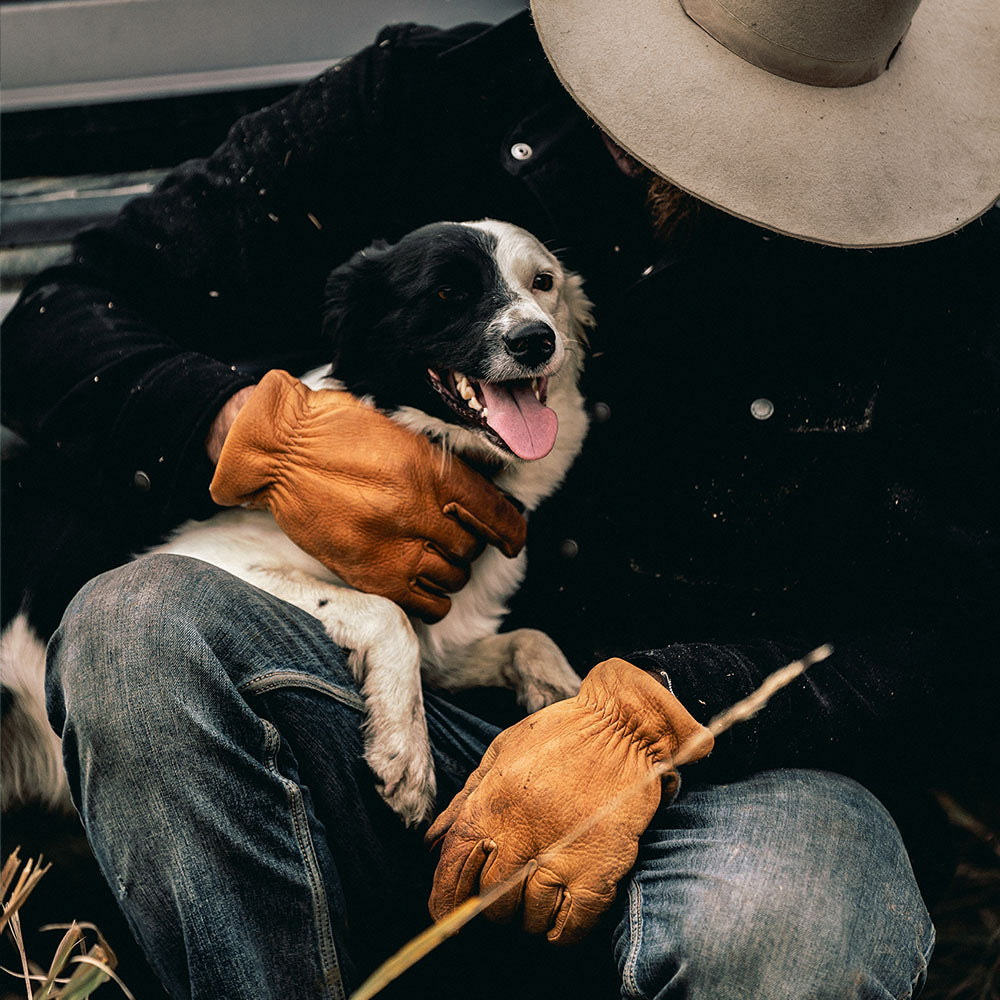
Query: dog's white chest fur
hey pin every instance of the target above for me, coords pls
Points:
(387, 651)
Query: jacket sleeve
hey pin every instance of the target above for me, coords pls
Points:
(878, 706)
(118, 361)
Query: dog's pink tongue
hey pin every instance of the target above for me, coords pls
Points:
(526, 425)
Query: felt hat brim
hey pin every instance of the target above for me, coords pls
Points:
(910, 156)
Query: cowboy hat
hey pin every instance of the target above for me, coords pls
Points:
(856, 123)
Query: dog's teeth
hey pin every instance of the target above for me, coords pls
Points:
(535, 389)
(485, 412)
(466, 390)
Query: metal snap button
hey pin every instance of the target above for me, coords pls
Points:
(569, 549)
(602, 412)
(521, 151)
(762, 409)
(141, 481)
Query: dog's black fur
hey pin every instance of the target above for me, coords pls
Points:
(424, 302)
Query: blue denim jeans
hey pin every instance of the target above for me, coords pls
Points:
(212, 739)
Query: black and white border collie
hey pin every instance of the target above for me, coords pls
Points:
(473, 334)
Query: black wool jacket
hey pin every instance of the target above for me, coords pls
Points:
(790, 444)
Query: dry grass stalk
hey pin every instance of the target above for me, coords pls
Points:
(28, 878)
(62, 982)
(963, 818)
(15, 932)
(438, 932)
(71, 938)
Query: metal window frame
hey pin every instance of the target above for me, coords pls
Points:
(59, 53)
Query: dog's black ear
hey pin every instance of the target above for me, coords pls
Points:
(355, 295)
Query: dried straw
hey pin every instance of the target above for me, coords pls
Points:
(29, 877)
(61, 982)
(438, 932)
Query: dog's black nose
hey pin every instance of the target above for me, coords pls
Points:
(532, 344)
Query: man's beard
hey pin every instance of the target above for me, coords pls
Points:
(674, 214)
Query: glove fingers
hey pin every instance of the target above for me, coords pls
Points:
(456, 877)
(422, 599)
(578, 913)
(439, 572)
(501, 867)
(670, 785)
(498, 521)
(457, 542)
(437, 830)
(543, 899)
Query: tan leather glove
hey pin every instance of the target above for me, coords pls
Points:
(372, 501)
(540, 780)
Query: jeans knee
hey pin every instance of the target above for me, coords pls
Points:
(131, 655)
(114, 624)
(774, 957)
(786, 886)
(156, 660)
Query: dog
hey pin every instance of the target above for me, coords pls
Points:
(473, 334)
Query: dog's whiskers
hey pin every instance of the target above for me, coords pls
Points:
(447, 453)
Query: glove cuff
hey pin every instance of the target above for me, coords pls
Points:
(643, 711)
(245, 466)
(261, 439)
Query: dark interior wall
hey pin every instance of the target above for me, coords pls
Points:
(123, 136)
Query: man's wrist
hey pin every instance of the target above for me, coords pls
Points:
(631, 698)
(649, 662)
(216, 436)
(658, 674)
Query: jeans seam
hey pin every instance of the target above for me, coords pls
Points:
(278, 679)
(926, 952)
(629, 982)
(329, 961)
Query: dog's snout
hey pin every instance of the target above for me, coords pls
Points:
(531, 344)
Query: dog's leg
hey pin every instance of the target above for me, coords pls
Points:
(385, 659)
(525, 660)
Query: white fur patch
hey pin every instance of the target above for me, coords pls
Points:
(388, 650)
(32, 768)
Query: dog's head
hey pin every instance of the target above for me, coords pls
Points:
(466, 330)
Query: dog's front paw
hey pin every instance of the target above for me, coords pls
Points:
(538, 671)
(405, 772)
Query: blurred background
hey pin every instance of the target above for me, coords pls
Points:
(99, 97)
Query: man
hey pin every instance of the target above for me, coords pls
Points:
(790, 445)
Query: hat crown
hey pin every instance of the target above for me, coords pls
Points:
(826, 43)
(838, 30)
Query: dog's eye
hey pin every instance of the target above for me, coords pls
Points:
(448, 294)
(543, 282)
